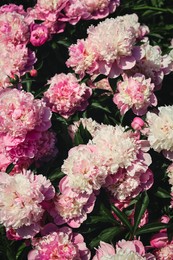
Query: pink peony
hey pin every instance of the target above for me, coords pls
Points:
(164, 253)
(15, 60)
(126, 161)
(84, 169)
(159, 131)
(89, 9)
(65, 95)
(21, 113)
(153, 65)
(39, 34)
(12, 8)
(137, 123)
(125, 250)
(105, 250)
(136, 93)
(24, 128)
(71, 207)
(109, 48)
(21, 201)
(13, 28)
(59, 244)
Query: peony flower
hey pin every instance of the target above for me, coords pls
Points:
(61, 244)
(12, 8)
(136, 93)
(125, 250)
(153, 65)
(65, 95)
(24, 128)
(165, 252)
(126, 161)
(13, 28)
(109, 48)
(20, 113)
(84, 169)
(21, 201)
(71, 207)
(160, 134)
(89, 9)
(39, 34)
(15, 60)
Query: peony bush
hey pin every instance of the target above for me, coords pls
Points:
(86, 130)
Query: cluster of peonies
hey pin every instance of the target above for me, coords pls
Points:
(16, 57)
(66, 95)
(22, 203)
(115, 159)
(54, 14)
(24, 128)
(109, 48)
(159, 130)
(124, 250)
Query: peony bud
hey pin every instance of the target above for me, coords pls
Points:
(39, 34)
(137, 123)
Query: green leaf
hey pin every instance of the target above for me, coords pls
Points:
(9, 168)
(20, 250)
(122, 217)
(162, 193)
(105, 216)
(140, 208)
(106, 235)
(56, 175)
(100, 77)
(151, 227)
(100, 107)
(82, 135)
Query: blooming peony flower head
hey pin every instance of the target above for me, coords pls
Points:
(12, 8)
(153, 65)
(165, 252)
(13, 28)
(89, 9)
(65, 95)
(84, 169)
(159, 132)
(125, 159)
(21, 201)
(20, 113)
(125, 250)
(15, 60)
(61, 244)
(109, 48)
(136, 93)
(71, 207)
